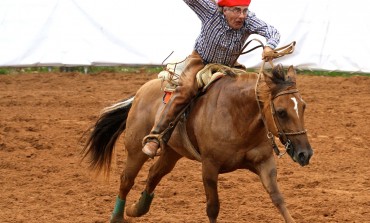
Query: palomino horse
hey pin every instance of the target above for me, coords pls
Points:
(232, 126)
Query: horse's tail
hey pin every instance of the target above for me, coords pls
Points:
(104, 134)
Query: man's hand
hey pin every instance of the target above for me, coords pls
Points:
(267, 54)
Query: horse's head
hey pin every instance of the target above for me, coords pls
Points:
(284, 109)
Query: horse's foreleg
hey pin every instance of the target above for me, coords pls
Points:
(133, 165)
(210, 178)
(267, 172)
(163, 166)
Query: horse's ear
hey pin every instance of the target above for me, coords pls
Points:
(291, 74)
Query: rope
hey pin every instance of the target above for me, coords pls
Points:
(278, 52)
(281, 51)
(270, 136)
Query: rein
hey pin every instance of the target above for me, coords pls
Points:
(288, 49)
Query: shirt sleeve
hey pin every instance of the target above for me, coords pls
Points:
(257, 26)
(204, 9)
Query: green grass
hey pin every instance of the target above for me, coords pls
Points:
(331, 73)
(4, 71)
(81, 69)
(145, 69)
(126, 69)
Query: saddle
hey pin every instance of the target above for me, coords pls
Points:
(205, 78)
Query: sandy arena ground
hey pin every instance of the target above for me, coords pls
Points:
(43, 116)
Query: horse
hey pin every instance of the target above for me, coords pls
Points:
(231, 126)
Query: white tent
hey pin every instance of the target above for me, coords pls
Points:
(330, 35)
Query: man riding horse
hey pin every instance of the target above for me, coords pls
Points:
(225, 28)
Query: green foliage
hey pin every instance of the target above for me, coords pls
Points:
(4, 71)
(145, 69)
(331, 73)
(83, 69)
(126, 69)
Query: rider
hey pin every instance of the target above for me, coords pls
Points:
(226, 25)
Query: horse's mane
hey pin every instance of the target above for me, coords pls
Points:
(273, 83)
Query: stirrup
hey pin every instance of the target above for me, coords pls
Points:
(152, 137)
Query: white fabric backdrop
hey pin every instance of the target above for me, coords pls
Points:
(330, 35)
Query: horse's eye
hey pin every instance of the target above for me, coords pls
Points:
(281, 113)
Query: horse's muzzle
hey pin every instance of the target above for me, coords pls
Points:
(304, 157)
(300, 155)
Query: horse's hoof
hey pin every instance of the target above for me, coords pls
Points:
(135, 211)
(117, 220)
(131, 211)
(141, 207)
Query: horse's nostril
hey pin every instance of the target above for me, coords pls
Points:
(302, 156)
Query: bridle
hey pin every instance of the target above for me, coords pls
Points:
(282, 135)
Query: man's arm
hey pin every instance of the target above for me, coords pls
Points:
(258, 26)
(203, 8)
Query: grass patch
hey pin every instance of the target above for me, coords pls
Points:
(151, 69)
(331, 73)
(83, 69)
(125, 69)
(4, 71)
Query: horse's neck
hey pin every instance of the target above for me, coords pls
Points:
(238, 94)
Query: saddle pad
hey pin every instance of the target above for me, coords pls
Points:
(205, 77)
(212, 72)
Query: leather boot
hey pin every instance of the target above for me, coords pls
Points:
(150, 148)
(183, 94)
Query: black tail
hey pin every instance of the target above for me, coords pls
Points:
(104, 134)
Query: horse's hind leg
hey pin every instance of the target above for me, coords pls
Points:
(135, 161)
(162, 167)
(267, 173)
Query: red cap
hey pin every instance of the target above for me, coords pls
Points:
(231, 3)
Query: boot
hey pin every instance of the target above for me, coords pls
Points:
(183, 94)
(150, 148)
(157, 135)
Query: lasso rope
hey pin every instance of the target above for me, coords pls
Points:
(279, 52)
(276, 53)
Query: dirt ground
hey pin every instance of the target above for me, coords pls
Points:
(43, 116)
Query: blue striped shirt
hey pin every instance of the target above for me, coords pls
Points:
(217, 42)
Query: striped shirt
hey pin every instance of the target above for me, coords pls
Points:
(217, 42)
